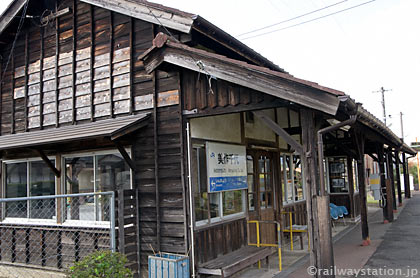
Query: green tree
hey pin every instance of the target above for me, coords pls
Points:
(101, 264)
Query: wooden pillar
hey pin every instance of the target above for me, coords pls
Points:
(407, 192)
(390, 167)
(319, 223)
(350, 175)
(361, 176)
(397, 177)
(386, 200)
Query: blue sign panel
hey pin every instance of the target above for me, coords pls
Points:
(227, 183)
(226, 167)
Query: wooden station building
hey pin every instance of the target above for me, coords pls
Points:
(212, 134)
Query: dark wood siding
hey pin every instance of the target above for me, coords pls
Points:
(221, 97)
(97, 75)
(220, 239)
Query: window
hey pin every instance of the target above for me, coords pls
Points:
(89, 173)
(265, 183)
(338, 178)
(27, 179)
(212, 207)
(293, 187)
(355, 176)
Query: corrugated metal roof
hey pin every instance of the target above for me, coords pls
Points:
(104, 128)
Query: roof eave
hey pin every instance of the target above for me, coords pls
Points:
(9, 14)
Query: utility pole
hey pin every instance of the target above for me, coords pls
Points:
(402, 126)
(382, 91)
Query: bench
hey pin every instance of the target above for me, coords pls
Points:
(300, 229)
(229, 264)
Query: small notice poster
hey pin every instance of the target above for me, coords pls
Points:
(226, 167)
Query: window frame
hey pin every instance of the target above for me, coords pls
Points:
(346, 175)
(90, 154)
(61, 187)
(221, 218)
(27, 219)
(285, 177)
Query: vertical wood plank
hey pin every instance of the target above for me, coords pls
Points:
(27, 245)
(73, 64)
(1, 106)
(92, 61)
(390, 172)
(398, 178)
(43, 248)
(131, 86)
(57, 55)
(156, 158)
(41, 83)
(26, 79)
(12, 128)
(111, 55)
(121, 237)
(59, 250)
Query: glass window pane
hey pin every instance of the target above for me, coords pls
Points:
(298, 179)
(232, 202)
(42, 183)
(250, 164)
(16, 179)
(269, 199)
(261, 165)
(338, 174)
(251, 202)
(250, 183)
(112, 173)
(267, 165)
(80, 179)
(214, 199)
(262, 200)
(200, 184)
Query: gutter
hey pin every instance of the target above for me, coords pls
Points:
(321, 132)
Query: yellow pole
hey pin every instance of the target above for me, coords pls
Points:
(418, 169)
(258, 241)
(279, 246)
(291, 232)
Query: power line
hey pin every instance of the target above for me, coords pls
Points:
(290, 19)
(304, 22)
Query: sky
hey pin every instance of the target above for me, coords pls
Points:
(357, 51)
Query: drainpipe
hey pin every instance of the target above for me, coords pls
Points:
(321, 132)
(191, 200)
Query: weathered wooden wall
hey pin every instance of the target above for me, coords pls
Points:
(220, 239)
(81, 67)
(84, 67)
(222, 97)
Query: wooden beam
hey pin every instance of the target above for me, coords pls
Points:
(398, 176)
(57, 55)
(319, 222)
(125, 155)
(360, 140)
(280, 85)
(73, 62)
(407, 192)
(44, 157)
(41, 79)
(92, 62)
(26, 79)
(279, 131)
(387, 213)
(156, 160)
(111, 56)
(390, 171)
(147, 13)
